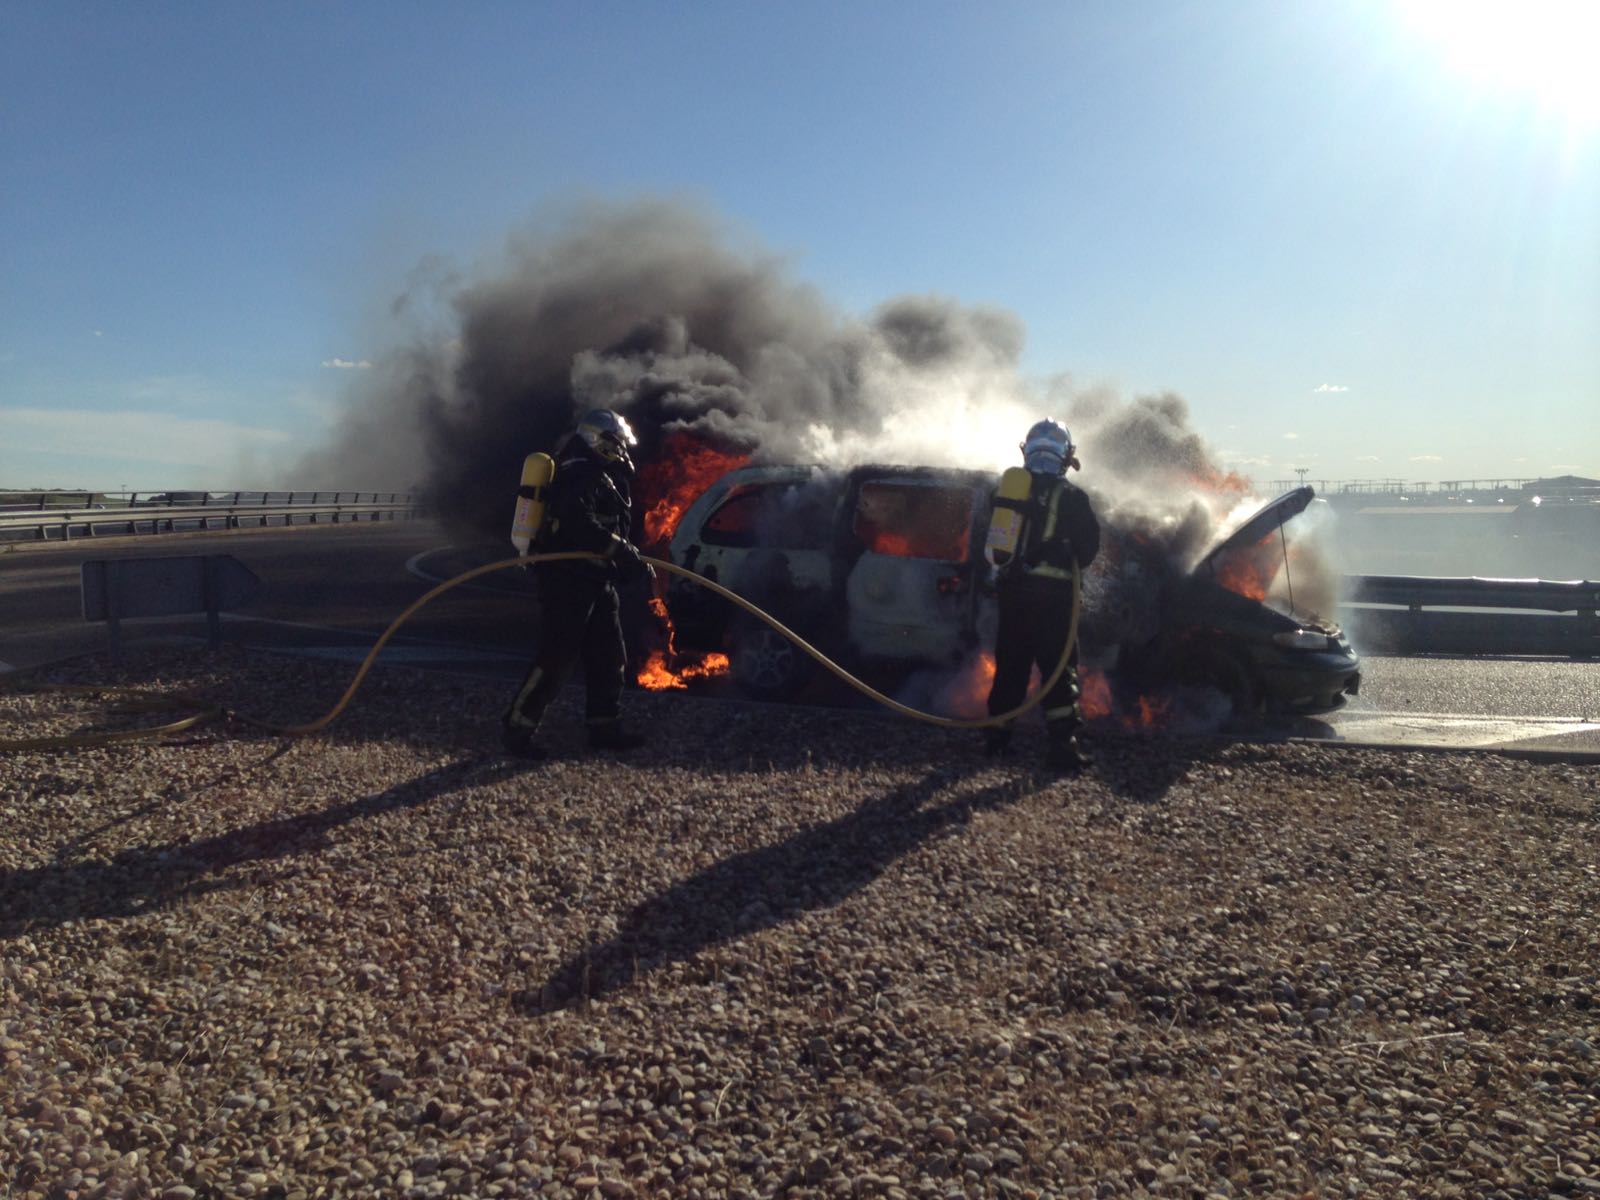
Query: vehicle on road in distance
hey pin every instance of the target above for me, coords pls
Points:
(174, 499)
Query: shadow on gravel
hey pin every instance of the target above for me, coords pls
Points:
(760, 889)
(148, 878)
(1143, 769)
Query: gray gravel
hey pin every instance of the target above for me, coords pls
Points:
(787, 952)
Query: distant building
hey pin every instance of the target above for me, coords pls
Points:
(1563, 487)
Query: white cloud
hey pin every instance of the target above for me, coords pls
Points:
(345, 364)
(164, 393)
(99, 333)
(1368, 458)
(131, 435)
(1291, 437)
(1427, 458)
(1331, 387)
(1564, 468)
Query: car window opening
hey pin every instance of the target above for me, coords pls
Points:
(768, 514)
(914, 520)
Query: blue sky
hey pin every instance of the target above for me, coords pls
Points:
(1360, 238)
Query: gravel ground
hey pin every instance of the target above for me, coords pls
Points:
(788, 952)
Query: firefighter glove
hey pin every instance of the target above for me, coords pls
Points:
(630, 563)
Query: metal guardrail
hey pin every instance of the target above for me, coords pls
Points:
(1421, 614)
(223, 510)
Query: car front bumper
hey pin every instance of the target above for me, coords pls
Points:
(1309, 683)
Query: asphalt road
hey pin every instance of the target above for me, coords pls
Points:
(330, 591)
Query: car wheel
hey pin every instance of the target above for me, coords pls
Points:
(1220, 671)
(765, 664)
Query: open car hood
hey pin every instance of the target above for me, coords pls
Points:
(1271, 515)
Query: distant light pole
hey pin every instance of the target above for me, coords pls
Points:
(1301, 471)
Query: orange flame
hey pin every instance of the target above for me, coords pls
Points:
(1097, 704)
(1094, 699)
(983, 677)
(966, 693)
(1229, 483)
(669, 485)
(1152, 711)
(1244, 577)
(657, 673)
(884, 542)
(1249, 572)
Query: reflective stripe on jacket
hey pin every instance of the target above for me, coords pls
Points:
(1061, 529)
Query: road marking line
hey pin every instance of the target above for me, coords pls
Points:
(1456, 729)
(414, 566)
(1391, 713)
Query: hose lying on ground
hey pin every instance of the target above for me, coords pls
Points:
(216, 713)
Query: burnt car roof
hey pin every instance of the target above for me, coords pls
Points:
(1271, 515)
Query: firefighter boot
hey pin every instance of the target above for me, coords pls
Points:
(610, 735)
(521, 720)
(1067, 756)
(517, 741)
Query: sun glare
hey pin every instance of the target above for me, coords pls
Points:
(1543, 49)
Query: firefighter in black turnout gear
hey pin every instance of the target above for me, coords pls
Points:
(588, 507)
(1034, 587)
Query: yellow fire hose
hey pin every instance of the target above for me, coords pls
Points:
(215, 713)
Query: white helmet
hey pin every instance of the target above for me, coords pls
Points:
(1047, 449)
(608, 434)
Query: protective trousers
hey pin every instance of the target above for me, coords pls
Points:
(1034, 618)
(579, 619)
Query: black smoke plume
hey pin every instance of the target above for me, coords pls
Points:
(649, 308)
(657, 309)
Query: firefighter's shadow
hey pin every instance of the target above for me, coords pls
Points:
(146, 879)
(741, 895)
(1141, 771)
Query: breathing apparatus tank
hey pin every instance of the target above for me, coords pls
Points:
(1005, 525)
(538, 469)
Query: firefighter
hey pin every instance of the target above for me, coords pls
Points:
(1033, 561)
(588, 507)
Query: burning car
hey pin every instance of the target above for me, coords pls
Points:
(1223, 625)
(881, 568)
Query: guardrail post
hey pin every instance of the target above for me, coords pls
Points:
(114, 608)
